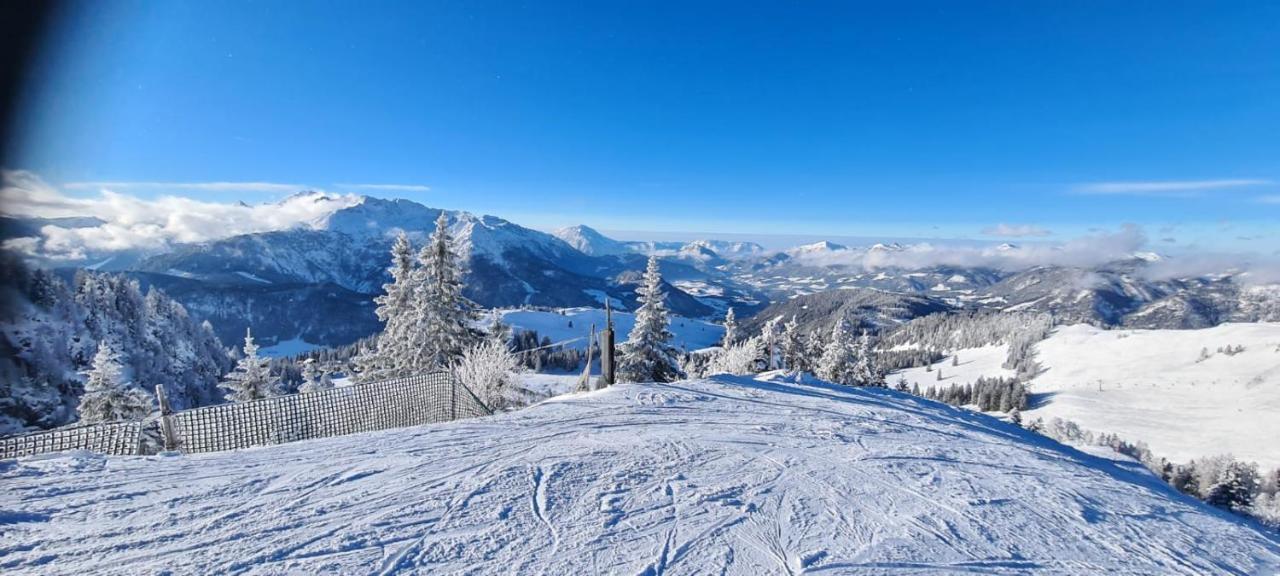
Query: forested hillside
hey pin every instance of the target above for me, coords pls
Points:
(53, 330)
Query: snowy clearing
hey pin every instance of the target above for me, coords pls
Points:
(972, 363)
(722, 475)
(1150, 385)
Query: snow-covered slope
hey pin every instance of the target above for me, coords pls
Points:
(1151, 385)
(728, 475)
(575, 323)
(962, 367)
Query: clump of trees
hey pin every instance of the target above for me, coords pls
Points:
(938, 333)
(60, 326)
(989, 394)
(427, 320)
(429, 324)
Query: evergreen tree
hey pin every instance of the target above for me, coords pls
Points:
(252, 378)
(837, 364)
(793, 347)
(865, 371)
(390, 356)
(107, 396)
(730, 329)
(769, 340)
(444, 315)
(500, 332)
(647, 355)
(1235, 487)
(313, 379)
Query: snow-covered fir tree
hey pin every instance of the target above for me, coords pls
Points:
(730, 328)
(443, 315)
(500, 331)
(313, 378)
(770, 339)
(390, 355)
(866, 372)
(839, 357)
(252, 378)
(647, 355)
(794, 353)
(108, 397)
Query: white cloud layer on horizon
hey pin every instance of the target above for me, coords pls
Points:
(132, 223)
(1083, 251)
(1015, 231)
(1185, 188)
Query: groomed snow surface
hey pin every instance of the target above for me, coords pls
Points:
(725, 475)
(1150, 386)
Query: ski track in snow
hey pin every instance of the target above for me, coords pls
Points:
(729, 475)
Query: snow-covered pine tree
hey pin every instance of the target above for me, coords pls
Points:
(730, 329)
(389, 356)
(252, 378)
(769, 338)
(793, 347)
(313, 379)
(444, 315)
(107, 396)
(866, 373)
(837, 362)
(647, 355)
(500, 332)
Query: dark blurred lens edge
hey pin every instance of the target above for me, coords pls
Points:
(23, 25)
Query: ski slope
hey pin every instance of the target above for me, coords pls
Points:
(1150, 385)
(725, 475)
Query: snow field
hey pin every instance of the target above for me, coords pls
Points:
(727, 475)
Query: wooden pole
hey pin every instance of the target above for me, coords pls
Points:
(169, 435)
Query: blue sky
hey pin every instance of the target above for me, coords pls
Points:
(904, 119)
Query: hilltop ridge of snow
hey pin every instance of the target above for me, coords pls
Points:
(726, 474)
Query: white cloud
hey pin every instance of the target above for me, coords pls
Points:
(1272, 199)
(1084, 251)
(1015, 231)
(132, 223)
(274, 187)
(1177, 188)
(387, 187)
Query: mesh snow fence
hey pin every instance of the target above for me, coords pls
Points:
(117, 438)
(423, 399)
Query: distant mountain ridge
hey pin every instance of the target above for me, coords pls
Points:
(336, 262)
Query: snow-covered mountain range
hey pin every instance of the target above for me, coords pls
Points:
(336, 261)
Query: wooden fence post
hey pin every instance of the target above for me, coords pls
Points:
(166, 421)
